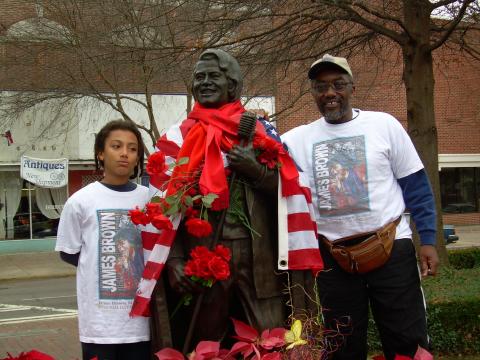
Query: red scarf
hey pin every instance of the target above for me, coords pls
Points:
(211, 132)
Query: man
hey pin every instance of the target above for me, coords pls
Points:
(253, 290)
(364, 171)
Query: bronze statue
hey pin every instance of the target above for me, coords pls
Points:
(253, 292)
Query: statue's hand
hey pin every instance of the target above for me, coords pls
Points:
(243, 161)
(177, 279)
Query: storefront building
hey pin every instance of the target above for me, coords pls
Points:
(29, 210)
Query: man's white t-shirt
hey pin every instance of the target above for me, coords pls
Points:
(95, 222)
(353, 170)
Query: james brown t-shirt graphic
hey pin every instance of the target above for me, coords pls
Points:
(120, 257)
(341, 179)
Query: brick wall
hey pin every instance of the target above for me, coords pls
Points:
(462, 219)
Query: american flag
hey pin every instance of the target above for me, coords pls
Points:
(298, 244)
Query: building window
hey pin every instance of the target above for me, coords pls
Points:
(43, 207)
(460, 190)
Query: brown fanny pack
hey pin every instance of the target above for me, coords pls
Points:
(364, 252)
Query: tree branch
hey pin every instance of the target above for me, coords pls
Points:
(451, 27)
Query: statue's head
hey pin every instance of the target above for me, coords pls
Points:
(217, 79)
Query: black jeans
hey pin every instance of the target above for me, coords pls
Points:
(395, 298)
(133, 351)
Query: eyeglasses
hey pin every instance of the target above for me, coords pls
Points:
(323, 87)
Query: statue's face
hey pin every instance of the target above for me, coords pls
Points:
(210, 84)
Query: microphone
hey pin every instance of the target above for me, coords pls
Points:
(246, 127)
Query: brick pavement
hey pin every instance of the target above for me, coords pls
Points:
(58, 338)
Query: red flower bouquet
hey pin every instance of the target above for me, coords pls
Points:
(180, 193)
(268, 151)
(207, 267)
(184, 198)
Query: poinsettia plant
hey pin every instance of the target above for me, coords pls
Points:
(270, 344)
(31, 355)
(297, 343)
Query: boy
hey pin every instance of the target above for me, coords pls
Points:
(96, 235)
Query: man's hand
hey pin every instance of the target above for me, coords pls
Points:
(243, 161)
(428, 260)
(177, 279)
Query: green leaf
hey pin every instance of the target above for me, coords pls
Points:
(172, 199)
(155, 199)
(188, 201)
(208, 199)
(172, 210)
(187, 300)
(182, 161)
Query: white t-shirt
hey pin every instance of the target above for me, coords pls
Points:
(95, 222)
(353, 170)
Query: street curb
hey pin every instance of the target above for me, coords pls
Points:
(33, 265)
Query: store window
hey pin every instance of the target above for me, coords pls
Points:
(34, 214)
(460, 190)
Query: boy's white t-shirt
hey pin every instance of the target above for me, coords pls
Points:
(95, 222)
(353, 170)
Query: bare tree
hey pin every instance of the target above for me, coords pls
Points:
(304, 29)
(104, 50)
(109, 48)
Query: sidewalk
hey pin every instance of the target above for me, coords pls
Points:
(33, 265)
(468, 236)
(57, 338)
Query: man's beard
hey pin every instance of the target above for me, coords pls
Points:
(334, 116)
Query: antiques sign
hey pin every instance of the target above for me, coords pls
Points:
(48, 173)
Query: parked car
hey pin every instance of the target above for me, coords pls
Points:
(42, 227)
(458, 208)
(449, 234)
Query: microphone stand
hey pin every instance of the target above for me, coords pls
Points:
(246, 129)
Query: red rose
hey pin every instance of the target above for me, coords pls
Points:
(190, 268)
(191, 212)
(198, 268)
(161, 222)
(219, 268)
(156, 163)
(138, 216)
(203, 269)
(198, 227)
(269, 151)
(199, 252)
(223, 252)
(192, 191)
(153, 209)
